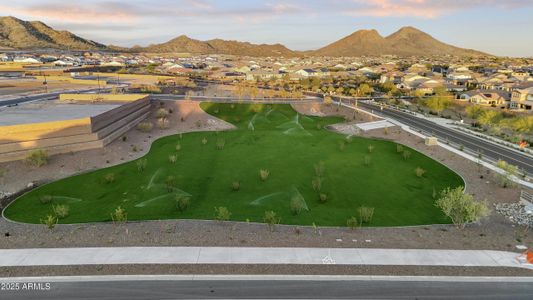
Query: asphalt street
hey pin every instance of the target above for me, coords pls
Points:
(475, 144)
(268, 289)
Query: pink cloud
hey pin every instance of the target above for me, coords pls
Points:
(425, 8)
(104, 12)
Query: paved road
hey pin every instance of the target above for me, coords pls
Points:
(474, 144)
(172, 97)
(268, 289)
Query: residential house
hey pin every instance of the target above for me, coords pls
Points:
(486, 97)
(522, 99)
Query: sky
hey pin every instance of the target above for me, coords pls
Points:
(499, 27)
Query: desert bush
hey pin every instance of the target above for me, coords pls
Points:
(271, 219)
(236, 185)
(170, 183)
(141, 164)
(420, 172)
(45, 199)
(61, 211)
(172, 158)
(461, 207)
(368, 160)
(365, 214)
(319, 169)
(386, 130)
(198, 123)
(264, 174)
(406, 154)
(323, 197)
(134, 148)
(119, 215)
(297, 205)
(37, 158)
(220, 143)
(505, 179)
(145, 126)
(161, 113)
(204, 141)
(317, 184)
(399, 148)
(182, 202)
(352, 223)
(222, 213)
(163, 123)
(109, 178)
(50, 221)
(370, 148)
(178, 147)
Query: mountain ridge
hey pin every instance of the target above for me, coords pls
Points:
(407, 41)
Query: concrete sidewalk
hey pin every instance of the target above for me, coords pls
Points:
(245, 255)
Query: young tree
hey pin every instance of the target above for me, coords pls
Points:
(510, 171)
(438, 103)
(222, 213)
(271, 219)
(461, 207)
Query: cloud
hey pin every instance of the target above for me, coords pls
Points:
(425, 8)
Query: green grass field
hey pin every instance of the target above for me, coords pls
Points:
(272, 137)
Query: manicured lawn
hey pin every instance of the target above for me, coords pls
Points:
(271, 137)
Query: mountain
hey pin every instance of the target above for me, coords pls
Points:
(408, 41)
(19, 34)
(184, 44)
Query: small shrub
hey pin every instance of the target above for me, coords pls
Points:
(399, 148)
(45, 199)
(220, 143)
(61, 211)
(406, 154)
(124, 138)
(368, 160)
(271, 219)
(109, 178)
(163, 123)
(236, 185)
(161, 113)
(204, 141)
(178, 147)
(317, 184)
(50, 221)
(145, 126)
(141, 164)
(365, 214)
(352, 223)
(119, 215)
(323, 198)
(37, 158)
(198, 124)
(386, 130)
(264, 174)
(370, 148)
(461, 147)
(134, 148)
(222, 213)
(172, 158)
(297, 205)
(419, 172)
(319, 169)
(182, 202)
(170, 183)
